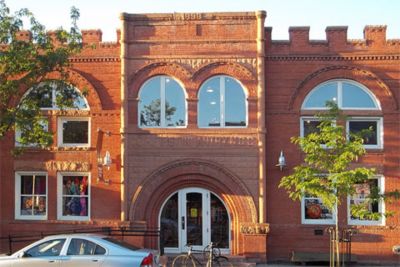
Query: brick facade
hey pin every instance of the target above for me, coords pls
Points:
(235, 164)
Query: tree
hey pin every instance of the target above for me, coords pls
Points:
(151, 114)
(26, 63)
(327, 172)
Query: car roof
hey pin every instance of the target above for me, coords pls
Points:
(92, 235)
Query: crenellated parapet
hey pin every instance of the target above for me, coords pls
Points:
(94, 49)
(92, 36)
(336, 41)
(24, 36)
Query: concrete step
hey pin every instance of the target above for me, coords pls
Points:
(237, 261)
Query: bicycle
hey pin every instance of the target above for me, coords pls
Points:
(211, 253)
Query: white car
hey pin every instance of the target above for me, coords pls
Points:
(86, 250)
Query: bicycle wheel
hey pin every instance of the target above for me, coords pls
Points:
(220, 261)
(183, 261)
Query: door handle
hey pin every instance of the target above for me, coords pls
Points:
(95, 260)
(183, 222)
(52, 261)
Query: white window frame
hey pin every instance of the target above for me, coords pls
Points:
(60, 215)
(17, 207)
(315, 221)
(44, 123)
(53, 98)
(163, 124)
(222, 117)
(302, 120)
(381, 207)
(379, 130)
(60, 122)
(339, 91)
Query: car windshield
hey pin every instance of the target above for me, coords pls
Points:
(121, 243)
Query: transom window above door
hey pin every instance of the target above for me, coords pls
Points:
(222, 103)
(345, 93)
(162, 103)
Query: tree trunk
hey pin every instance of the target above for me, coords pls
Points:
(337, 237)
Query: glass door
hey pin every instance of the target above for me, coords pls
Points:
(194, 216)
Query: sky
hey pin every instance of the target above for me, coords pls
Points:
(281, 14)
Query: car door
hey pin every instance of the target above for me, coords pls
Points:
(83, 252)
(45, 254)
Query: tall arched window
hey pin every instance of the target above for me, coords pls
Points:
(222, 103)
(357, 99)
(162, 103)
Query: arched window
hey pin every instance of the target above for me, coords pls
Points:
(350, 96)
(363, 117)
(347, 94)
(56, 95)
(162, 103)
(222, 103)
(72, 131)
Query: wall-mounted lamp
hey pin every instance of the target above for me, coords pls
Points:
(106, 161)
(103, 161)
(281, 161)
(396, 249)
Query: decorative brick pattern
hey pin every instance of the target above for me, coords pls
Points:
(155, 163)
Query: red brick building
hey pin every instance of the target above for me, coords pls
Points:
(194, 109)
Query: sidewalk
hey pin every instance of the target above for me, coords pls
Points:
(283, 265)
(352, 265)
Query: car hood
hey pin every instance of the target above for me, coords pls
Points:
(4, 257)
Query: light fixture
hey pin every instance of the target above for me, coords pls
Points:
(396, 249)
(281, 161)
(107, 160)
(103, 161)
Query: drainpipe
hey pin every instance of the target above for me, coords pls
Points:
(124, 118)
(261, 115)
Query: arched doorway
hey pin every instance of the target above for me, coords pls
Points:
(194, 216)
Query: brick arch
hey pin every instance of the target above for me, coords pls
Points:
(147, 200)
(365, 77)
(235, 70)
(77, 80)
(159, 68)
(80, 82)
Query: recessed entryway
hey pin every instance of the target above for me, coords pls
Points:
(194, 216)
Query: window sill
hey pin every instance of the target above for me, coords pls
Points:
(30, 218)
(365, 224)
(189, 131)
(81, 148)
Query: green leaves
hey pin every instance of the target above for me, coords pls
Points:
(27, 57)
(327, 171)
